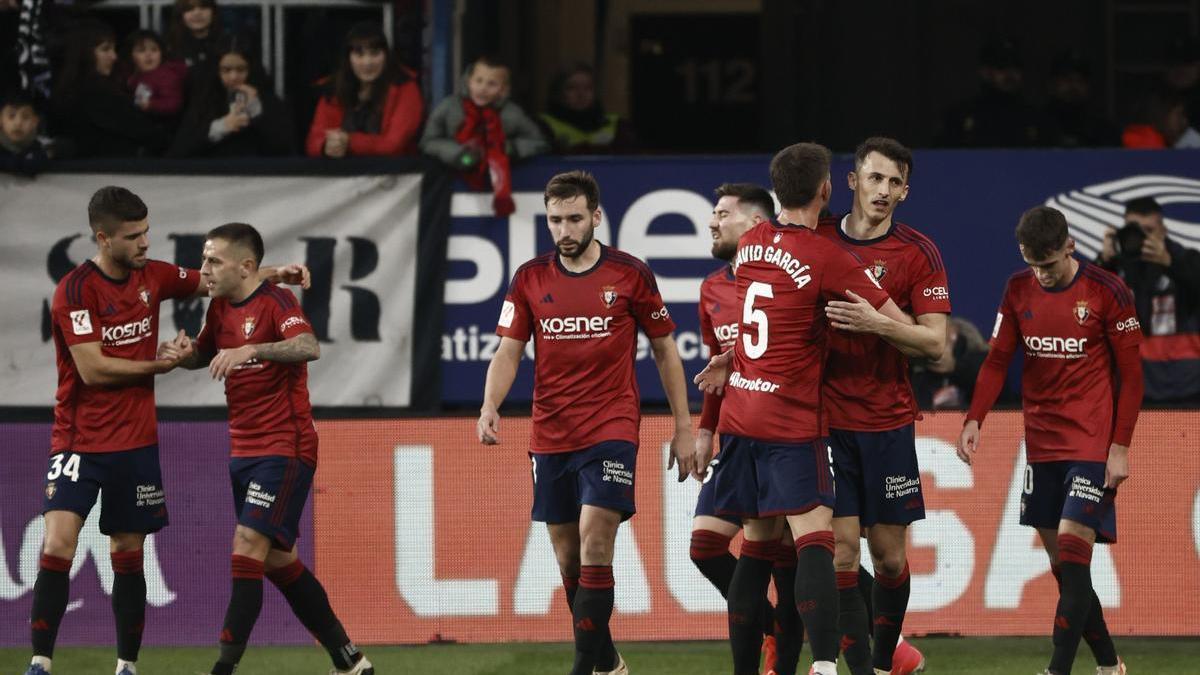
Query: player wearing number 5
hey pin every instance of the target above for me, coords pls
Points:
(105, 438)
(774, 458)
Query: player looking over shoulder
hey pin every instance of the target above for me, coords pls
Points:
(1081, 390)
(582, 304)
(104, 444)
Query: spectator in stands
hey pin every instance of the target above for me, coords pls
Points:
(157, 84)
(20, 145)
(234, 112)
(1163, 124)
(479, 130)
(194, 31)
(575, 120)
(1069, 119)
(1165, 278)
(948, 382)
(1183, 73)
(372, 105)
(998, 116)
(92, 107)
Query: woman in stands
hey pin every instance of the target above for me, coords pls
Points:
(234, 112)
(371, 105)
(194, 31)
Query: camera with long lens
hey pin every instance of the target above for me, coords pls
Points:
(1129, 241)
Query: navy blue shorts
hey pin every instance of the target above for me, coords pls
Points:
(128, 483)
(706, 504)
(1065, 490)
(877, 476)
(760, 479)
(269, 495)
(601, 475)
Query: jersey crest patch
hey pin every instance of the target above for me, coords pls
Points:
(609, 295)
(879, 269)
(1082, 312)
(144, 295)
(248, 326)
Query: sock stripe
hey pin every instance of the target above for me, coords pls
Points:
(1072, 549)
(54, 563)
(822, 538)
(892, 582)
(570, 583)
(707, 544)
(127, 562)
(759, 550)
(847, 580)
(597, 577)
(785, 555)
(286, 575)
(243, 567)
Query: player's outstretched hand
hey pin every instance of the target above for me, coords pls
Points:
(714, 376)
(683, 453)
(1116, 469)
(488, 427)
(704, 454)
(856, 316)
(295, 274)
(227, 360)
(968, 441)
(176, 349)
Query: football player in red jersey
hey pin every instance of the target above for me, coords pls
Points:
(871, 407)
(1081, 390)
(739, 207)
(105, 439)
(583, 304)
(774, 462)
(258, 340)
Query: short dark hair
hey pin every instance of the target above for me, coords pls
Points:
(491, 61)
(1041, 231)
(1143, 206)
(137, 37)
(240, 234)
(797, 173)
(888, 147)
(572, 184)
(111, 205)
(748, 194)
(18, 99)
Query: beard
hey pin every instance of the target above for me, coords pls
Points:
(722, 250)
(130, 261)
(579, 248)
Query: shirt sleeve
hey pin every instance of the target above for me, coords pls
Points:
(649, 309)
(990, 382)
(846, 273)
(516, 318)
(174, 281)
(931, 292)
(710, 413)
(75, 314)
(1124, 335)
(290, 321)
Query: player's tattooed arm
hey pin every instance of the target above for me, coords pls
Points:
(294, 274)
(303, 347)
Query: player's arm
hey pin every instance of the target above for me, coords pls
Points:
(710, 411)
(990, 381)
(923, 337)
(500, 375)
(670, 371)
(1124, 337)
(99, 370)
(296, 349)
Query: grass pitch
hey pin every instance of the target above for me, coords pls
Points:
(1007, 656)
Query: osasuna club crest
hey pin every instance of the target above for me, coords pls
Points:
(51, 488)
(609, 295)
(144, 295)
(878, 269)
(1081, 311)
(248, 326)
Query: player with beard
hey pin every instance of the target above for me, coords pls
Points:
(739, 207)
(104, 444)
(583, 304)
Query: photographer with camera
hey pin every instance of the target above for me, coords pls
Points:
(1165, 278)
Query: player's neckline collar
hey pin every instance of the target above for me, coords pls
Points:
(111, 280)
(1078, 273)
(563, 268)
(841, 225)
(253, 294)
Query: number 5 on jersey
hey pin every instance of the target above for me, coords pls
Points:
(755, 345)
(69, 468)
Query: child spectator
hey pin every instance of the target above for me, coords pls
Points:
(92, 107)
(19, 124)
(575, 118)
(478, 130)
(372, 105)
(234, 112)
(157, 85)
(194, 31)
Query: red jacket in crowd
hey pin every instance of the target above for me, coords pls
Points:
(402, 114)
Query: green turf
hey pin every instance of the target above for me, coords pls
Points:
(1019, 656)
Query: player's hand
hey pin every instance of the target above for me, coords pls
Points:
(714, 376)
(683, 452)
(968, 441)
(857, 316)
(1108, 249)
(704, 454)
(1116, 469)
(295, 274)
(488, 426)
(1154, 250)
(175, 349)
(227, 360)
